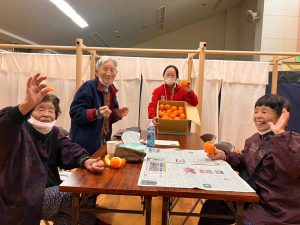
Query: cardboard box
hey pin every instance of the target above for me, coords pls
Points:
(178, 127)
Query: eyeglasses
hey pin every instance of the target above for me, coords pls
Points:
(111, 70)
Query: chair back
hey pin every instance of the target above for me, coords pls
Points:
(208, 137)
(225, 146)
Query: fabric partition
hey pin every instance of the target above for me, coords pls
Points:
(128, 83)
(15, 68)
(242, 84)
(212, 83)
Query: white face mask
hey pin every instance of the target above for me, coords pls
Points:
(264, 132)
(41, 127)
(170, 81)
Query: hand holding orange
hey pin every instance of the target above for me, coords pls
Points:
(209, 147)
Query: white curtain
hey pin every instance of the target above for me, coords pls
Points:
(242, 84)
(15, 68)
(212, 83)
(128, 83)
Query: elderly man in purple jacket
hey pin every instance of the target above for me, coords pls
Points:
(274, 155)
(32, 149)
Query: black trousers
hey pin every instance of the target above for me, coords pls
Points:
(216, 207)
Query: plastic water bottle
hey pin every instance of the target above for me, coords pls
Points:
(151, 135)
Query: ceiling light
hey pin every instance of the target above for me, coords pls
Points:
(70, 12)
(161, 17)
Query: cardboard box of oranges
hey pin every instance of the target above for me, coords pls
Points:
(175, 117)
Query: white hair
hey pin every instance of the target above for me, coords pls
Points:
(105, 59)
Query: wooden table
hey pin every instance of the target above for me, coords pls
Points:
(124, 182)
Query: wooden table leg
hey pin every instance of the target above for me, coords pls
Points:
(165, 210)
(75, 208)
(148, 201)
(239, 213)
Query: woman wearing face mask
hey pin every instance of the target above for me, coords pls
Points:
(170, 90)
(32, 150)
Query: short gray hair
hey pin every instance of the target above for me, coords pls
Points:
(105, 59)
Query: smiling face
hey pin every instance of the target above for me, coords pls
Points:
(262, 115)
(44, 112)
(107, 72)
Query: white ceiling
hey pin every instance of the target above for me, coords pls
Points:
(135, 21)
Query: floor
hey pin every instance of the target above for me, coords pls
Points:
(130, 202)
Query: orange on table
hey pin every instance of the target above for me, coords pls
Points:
(209, 147)
(185, 83)
(161, 106)
(114, 162)
(181, 108)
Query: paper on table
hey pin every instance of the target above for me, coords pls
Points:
(166, 142)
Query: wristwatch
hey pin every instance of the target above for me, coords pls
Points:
(98, 115)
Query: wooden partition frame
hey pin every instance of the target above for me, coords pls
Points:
(79, 48)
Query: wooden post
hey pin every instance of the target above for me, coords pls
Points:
(93, 64)
(78, 62)
(274, 75)
(190, 66)
(202, 49)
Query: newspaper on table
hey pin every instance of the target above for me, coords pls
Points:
(189, 169)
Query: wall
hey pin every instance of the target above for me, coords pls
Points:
(280, 26)
(211, 30)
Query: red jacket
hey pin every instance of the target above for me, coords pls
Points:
(163, 92)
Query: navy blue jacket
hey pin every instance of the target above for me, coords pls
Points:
(86, 129)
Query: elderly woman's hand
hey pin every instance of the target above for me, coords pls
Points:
(219, 154)
(121, 112)
(105, 111)
(94, 165)
(35, 92)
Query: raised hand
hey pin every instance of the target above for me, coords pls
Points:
(35, 92)
(281, 124)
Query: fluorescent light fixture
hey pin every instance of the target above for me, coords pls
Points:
(70, 12)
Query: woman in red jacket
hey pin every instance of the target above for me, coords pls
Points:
(171, 90)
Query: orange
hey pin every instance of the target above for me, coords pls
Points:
(177, 118)
(161, 114)
(167, 107)
(161, 106)
(181, 108)
(209, 147)
(48, 88)
(169, 111)
(182, 116)
(185, 83)
(123, 163)
(173, 108)
(172, 116)
(115, 162)
(180, 111)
